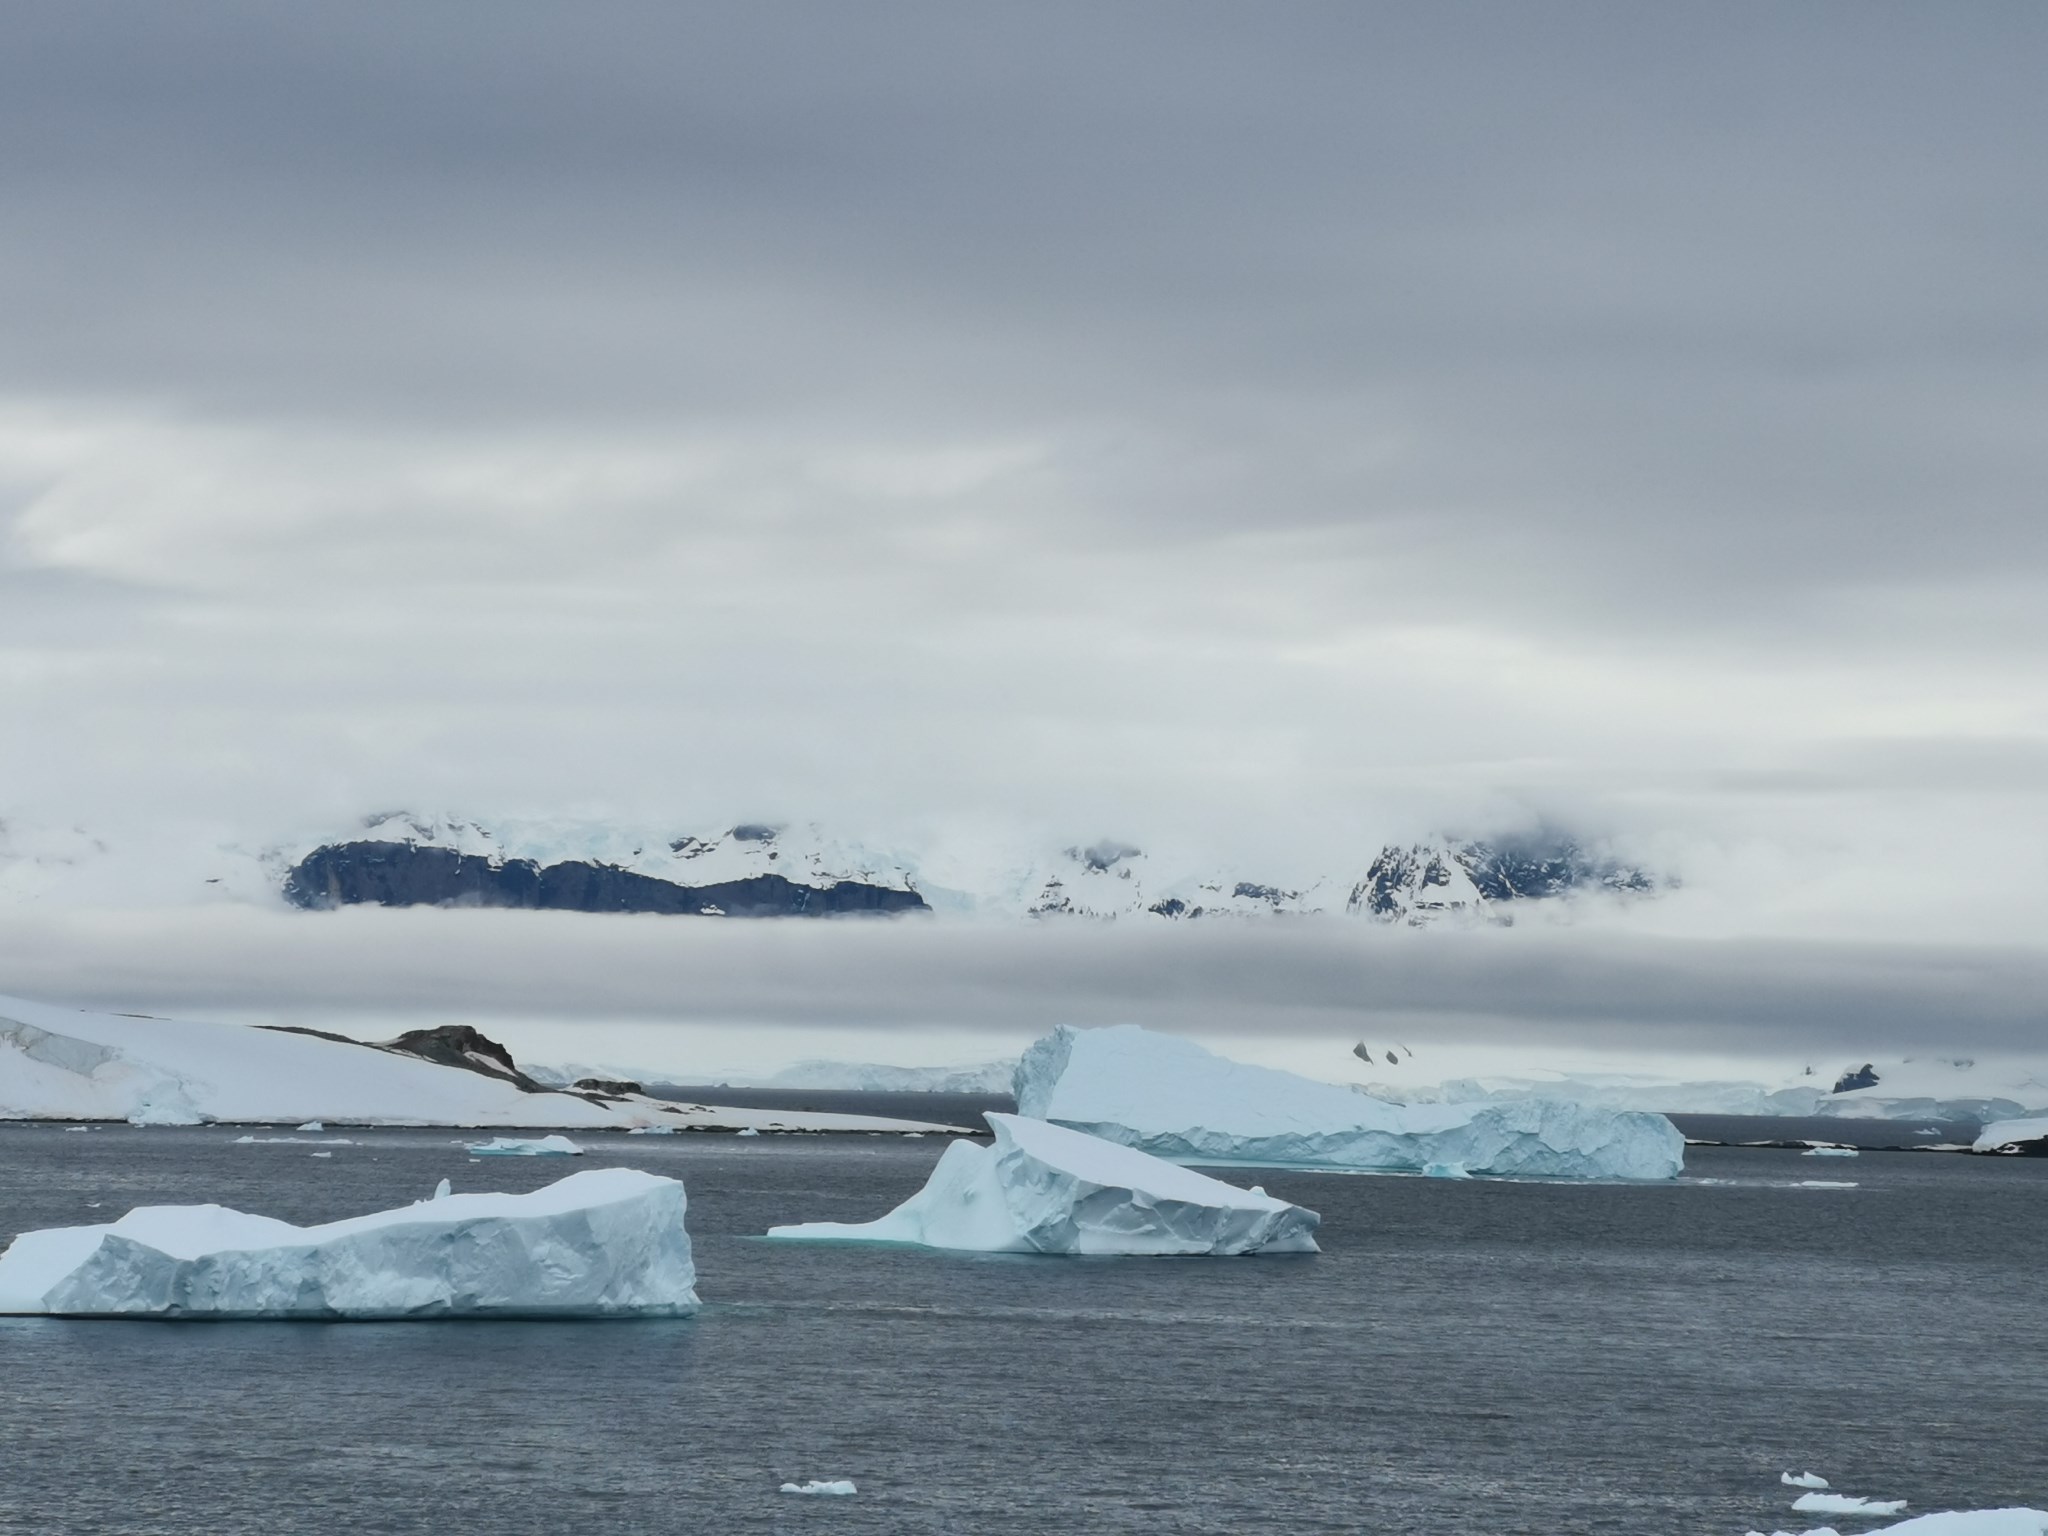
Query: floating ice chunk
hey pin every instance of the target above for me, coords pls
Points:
(1845, 1504)
(312, 1125)
(1830, 1152)
(748, 1130)
(1170, 1097)
(652, 1130)
(1444, 1171)
(519, 1146)
(1044, 1189)
(1823, 1184)
(837, 1488)
(321, 1154)
(1802, 1480)
(605, 1242)
(300, 1141)
(1971, 1522)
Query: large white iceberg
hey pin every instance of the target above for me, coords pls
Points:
(1043, 1189)
(1956, 1522)
(609, 1242)
(1170, 1097)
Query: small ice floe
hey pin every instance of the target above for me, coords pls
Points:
(913, 1135)
(520, 1146)
(265, 1141)
(836, 1488)
(652, 1130)
(1802, 1480)
(77, 1127)
(1825, 1151)
(1844, 1504)
(1444, 1171)
(312, 1125)
(321, 1154)
(748, 1130)
(1824, 1184)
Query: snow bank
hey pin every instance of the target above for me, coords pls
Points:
(1170, 1097)
(63, 1064)
(1044, 1189)
(603, 1243)
(2012, 1135)
(521, 1146)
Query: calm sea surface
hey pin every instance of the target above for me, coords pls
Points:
(1464, 1357)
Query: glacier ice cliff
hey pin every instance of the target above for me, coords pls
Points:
(609, 1242)
(1170, 1097)
(1043, 1189)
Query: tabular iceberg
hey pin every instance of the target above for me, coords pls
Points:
(1170, 1097)
(609, 1242)
(1044, 1189)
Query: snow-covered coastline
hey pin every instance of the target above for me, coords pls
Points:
(67, 1064)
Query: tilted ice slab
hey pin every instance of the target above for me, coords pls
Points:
(1170, 1097)
(1044, 1189)
(609, 1242)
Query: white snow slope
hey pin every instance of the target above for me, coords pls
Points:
(2006, 1135)
(606, 1243)
(63, 1064)
(1043, 1189)
(1170, 1097)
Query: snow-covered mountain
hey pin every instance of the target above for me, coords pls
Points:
(793, 869)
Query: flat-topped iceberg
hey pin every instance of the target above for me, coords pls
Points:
(1172, 1098)
(608, 1242)
(1044, 1189)
(525, 1146)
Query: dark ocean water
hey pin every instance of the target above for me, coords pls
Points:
(1465, 1357)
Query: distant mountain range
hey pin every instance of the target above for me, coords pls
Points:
(759, 870)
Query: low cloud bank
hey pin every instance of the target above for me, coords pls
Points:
(1332, 978)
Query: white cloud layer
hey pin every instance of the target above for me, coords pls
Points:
(1262, 435)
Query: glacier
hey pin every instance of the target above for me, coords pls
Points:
(1041, 1188)
(1170, 1097)
(608, 1242)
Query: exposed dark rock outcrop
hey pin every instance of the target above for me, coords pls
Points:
(613, 1087)
(408, 875)
(460, 1045)
(1864, 1076)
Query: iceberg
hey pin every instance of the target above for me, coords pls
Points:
(1170, 1097)
(1802, 1480)
(1844, 1504)
(608, 1242)
(1044, 1189)
(524, 1146)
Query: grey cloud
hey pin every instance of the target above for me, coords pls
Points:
(1528, 988)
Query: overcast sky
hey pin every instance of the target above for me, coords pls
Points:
(1260, 428)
